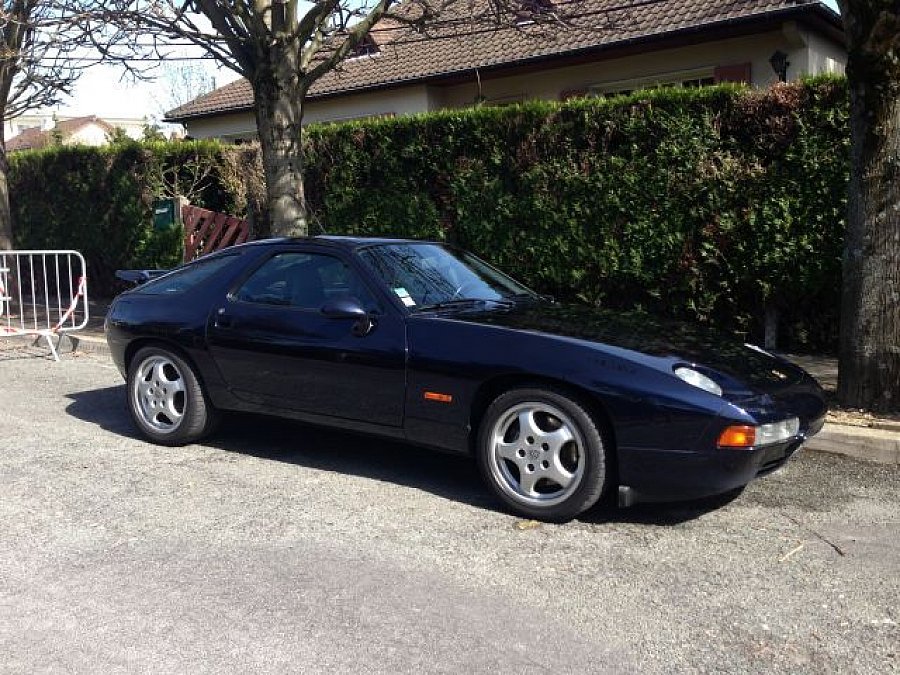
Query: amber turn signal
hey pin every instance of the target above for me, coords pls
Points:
(738, 436)
(439, 398)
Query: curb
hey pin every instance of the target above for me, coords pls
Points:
(874, 445)
(84, 343)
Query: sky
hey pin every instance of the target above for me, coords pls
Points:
(105, 91)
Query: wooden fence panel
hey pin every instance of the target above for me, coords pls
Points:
(207, 231)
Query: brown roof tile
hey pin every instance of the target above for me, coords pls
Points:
(457, 45)
(28, 139)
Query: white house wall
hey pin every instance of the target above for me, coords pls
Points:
(391, 103)
(89, 134)
(825, 56)
(227, 126)
(400, 101)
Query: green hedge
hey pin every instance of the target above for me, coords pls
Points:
(709, 204)
(99, 200)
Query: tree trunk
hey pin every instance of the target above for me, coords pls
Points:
(869, 374)
(279, 95)
(6, 242)
(770, 341)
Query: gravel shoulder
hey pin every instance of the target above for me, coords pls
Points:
(278, 547)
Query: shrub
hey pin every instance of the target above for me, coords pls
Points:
(99, 200)
(710, 204)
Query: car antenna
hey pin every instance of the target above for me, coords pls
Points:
(315, 219)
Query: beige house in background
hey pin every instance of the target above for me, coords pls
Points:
(604, 48)
(30, 132)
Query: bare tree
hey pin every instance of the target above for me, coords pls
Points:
(282, 51)
(46, 44)
(870, 313)
(185, 81)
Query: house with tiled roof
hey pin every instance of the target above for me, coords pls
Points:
(84, 130)
(573, 48)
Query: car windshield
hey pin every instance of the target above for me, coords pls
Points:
(424, 276)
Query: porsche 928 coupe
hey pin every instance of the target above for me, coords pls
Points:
(422, 342)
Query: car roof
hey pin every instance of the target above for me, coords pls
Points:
(353, 242)
(340, 241)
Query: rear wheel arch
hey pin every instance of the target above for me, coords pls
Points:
(137, 345)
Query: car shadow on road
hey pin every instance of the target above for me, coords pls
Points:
(445, 475)
(105, 408)
(657, 513)
(448, 476)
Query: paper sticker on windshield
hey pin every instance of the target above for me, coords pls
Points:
(403, 294)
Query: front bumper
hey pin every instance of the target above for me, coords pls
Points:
(657, 475)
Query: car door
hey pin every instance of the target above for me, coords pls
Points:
(274, 346)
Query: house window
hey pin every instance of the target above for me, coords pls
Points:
(503, 101)
(698, 82)
(366, 47)
(692, 79)
(529, 10)
(359, 118)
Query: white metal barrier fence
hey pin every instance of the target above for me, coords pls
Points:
(42, 294)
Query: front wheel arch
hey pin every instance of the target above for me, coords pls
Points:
(489, 390)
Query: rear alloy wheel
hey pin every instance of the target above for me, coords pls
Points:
(166, 400)
(542, 454)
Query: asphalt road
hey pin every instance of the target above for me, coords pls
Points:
(277, 547)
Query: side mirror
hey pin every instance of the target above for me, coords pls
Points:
(344, 308)
(350, 308)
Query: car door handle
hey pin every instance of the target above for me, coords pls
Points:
(222, 319)
(364, 326)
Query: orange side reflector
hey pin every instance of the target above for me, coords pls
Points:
(737, 436)
(439, 398)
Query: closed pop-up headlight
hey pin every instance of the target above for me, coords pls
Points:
(698, 379)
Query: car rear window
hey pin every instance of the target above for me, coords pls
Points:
(185, 277)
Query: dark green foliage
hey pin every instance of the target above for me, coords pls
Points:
(99, 200)
(708, 204)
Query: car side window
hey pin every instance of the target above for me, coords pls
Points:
(304, 281)
(186, 277)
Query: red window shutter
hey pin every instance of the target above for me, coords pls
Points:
(738, 72)
(566, 94)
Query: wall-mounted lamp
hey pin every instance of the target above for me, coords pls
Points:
(780, 63)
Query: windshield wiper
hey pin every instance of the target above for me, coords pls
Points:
(463, 302)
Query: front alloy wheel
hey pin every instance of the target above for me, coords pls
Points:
(542, 454)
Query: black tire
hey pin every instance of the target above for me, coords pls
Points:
(166, 400)
(542, 476)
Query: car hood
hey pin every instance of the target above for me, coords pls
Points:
(647, 335)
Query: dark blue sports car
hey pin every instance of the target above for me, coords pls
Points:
(426, 343)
